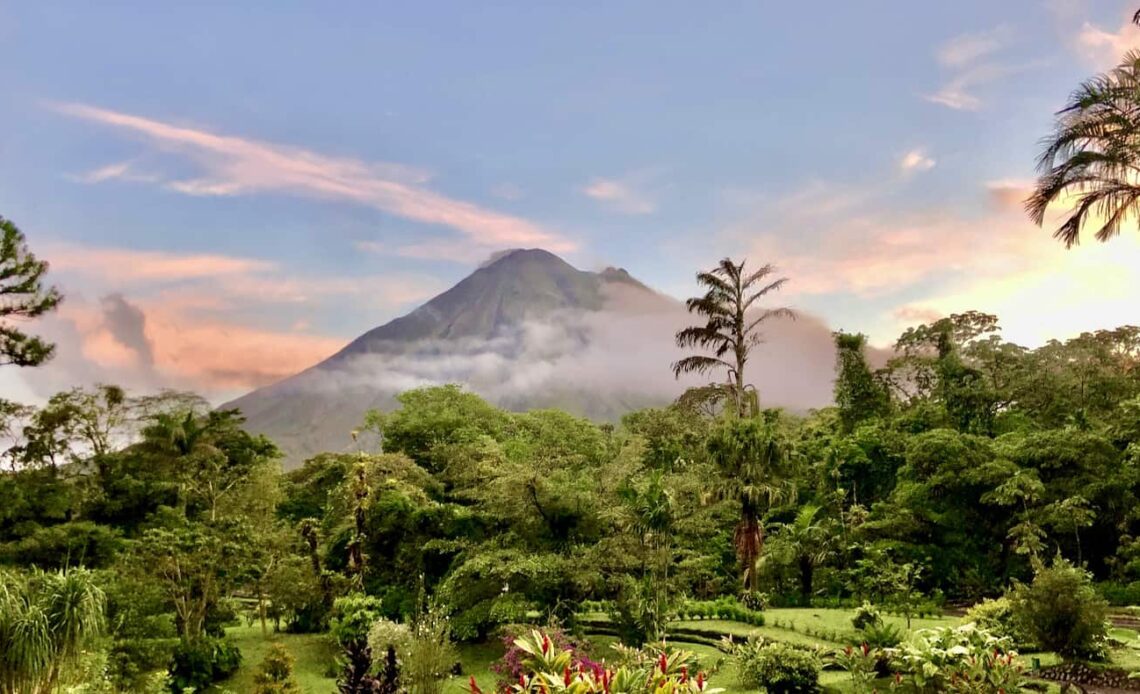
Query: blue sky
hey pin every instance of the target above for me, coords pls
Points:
(280, 177)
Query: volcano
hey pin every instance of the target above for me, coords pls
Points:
(525, 330)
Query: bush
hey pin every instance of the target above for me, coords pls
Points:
(352, 617)
(964, 659)
(866, 615)
(1121, 594)
(199, 663)
(997, 617)
(385, 633)
(779, 668)
(275, 676)
(1062, 612)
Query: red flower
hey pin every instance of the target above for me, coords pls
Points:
(684, 674)
(700, 681)
(663, 663)
(566, 678)
(472, 687)
(866, 650)
(545, 644)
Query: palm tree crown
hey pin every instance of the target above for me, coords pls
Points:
(732, 327)
(1094, 156)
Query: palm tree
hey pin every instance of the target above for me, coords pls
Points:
(45, 621)
(1094, 156)
(808, 540)
(753, 458)
(733, 322)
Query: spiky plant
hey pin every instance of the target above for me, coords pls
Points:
(732, 323)
(46, 620)
(1093, 156)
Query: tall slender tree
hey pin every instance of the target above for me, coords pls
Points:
(22, 296)
(732, 324)
(1092, 157)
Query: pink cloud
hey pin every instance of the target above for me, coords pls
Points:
(1103, 48)
(624, 195)
(126, 265)
(240, 166)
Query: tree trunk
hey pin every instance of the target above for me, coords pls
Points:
(749, 541)
(261, 612)
(807, 569)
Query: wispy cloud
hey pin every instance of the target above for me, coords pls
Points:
(970, 63)
(1103, 48)
(452, 251)
(629, 194)
(132, 266)
(916, 160)
(921, 263)
(232, 165)
(968, 48)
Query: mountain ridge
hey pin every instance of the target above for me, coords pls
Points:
(488, 316)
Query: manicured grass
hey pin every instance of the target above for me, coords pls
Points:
(311, 651)
(313, 654)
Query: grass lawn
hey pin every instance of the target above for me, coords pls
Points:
(313, 655)
(311, 651)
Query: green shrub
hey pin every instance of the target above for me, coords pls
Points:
(997, 617)
(1120, 594)
(384, 633)
(1062, 612)
(353, 616)
(881, 635)
(779, 668)
(198, 663)
(275, 675)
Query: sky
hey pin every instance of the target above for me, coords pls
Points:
(228, 194)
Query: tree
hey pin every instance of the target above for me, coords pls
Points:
(753, 457)
(807, 541)
(1092, 155)
(858, 394)
(732, 328)
(46, 620)
(24, 297)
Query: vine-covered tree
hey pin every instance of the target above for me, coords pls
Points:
(858, 394)
(22, 296)
(733, 322)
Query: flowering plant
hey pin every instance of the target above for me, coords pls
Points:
(551, 669)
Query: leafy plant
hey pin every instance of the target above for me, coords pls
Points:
(779, 668)
(998, 617)
(1063, 612)
(960, 659)
(550, 669)
(866, 615)
(275, 675)
(200, 662)
(881, 635)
